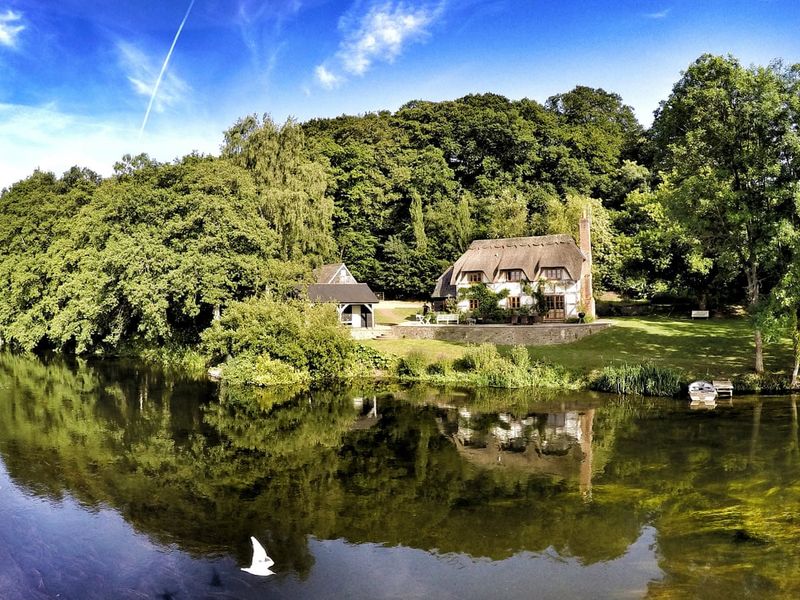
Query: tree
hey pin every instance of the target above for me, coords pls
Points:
(600, 131)
(726, 141)
(291, 186)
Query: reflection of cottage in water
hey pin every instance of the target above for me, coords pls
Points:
(367, 412)
(557, 444)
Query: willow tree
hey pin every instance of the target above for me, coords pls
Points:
(291, 186)
(728, 147)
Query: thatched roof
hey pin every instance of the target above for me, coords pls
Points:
(343, 293)
(530, 254)
(443, 287)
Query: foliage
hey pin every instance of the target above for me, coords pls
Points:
(519, 357)
(539, 299)
(307, 337)
(488, 308)
(726, 139)
(644, 379)
(261, 370)
(413, 365)
(413, 188)
(372, 358)
(772, 383)
(291, 186)
(145, 255)
(702, 205)
(478, 357)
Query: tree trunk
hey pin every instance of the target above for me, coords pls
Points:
(795, 384)
(759, 351)
(753, 292)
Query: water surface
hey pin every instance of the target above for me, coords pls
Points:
(117, 481)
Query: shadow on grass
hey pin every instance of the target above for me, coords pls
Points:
(709, 348)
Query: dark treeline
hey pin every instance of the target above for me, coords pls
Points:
(701, 205)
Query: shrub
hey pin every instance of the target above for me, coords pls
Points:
(550, 376)
(412, 365)
(441, 367)
(371, 358)
(306, 336)
(768, 382)
(520, 357)
(488, 307)
(503, 373)
(261, 370)
(477, 358)
(644, 379)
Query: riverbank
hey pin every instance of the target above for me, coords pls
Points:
(708, 349)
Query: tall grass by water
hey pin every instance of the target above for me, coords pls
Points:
(645, 379)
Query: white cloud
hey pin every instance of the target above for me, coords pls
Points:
(380, 34)
(142, 73)
(662, 14)
(325, 78)
(9, 28)
(46, 138)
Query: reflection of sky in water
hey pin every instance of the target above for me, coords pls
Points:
(62, 550)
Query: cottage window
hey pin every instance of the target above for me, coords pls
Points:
(514, 275)
(474, 277)
(474, 304)
(513, 302)
(553, 273)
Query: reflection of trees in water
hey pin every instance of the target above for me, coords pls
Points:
(280, 465)
(723, 489)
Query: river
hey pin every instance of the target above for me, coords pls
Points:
(122, 481)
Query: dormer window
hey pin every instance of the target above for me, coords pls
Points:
(514, 275)
(474, 277)
(553, 274)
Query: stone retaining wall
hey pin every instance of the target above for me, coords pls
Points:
(527, 335)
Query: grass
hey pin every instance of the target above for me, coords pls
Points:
(394, 312)
(699, 349)
(432, 350)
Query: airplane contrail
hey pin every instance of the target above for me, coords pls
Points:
(164, 69)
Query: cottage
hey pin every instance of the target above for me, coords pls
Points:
(554, 261)
(355, 301)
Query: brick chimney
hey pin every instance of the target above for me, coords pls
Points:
(585, 236)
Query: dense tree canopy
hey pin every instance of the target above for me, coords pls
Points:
(702, 205)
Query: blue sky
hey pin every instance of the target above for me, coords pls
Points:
(77, 76)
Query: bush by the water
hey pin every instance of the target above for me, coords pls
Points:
(766, 383)
(412, 365)
(372, 358)
(485, 366)
(261, 370)
(478, 358)
(306, 337)
(644, 379)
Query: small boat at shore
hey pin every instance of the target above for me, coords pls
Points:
(702, 392)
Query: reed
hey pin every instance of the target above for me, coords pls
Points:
(645, 379)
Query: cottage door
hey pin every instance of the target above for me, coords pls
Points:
(356, 308)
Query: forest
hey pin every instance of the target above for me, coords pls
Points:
(701, 205)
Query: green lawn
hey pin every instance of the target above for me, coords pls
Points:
(392, 313)
(432, 349)
(708, 349)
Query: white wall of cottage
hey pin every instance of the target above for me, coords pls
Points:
(570, 290)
